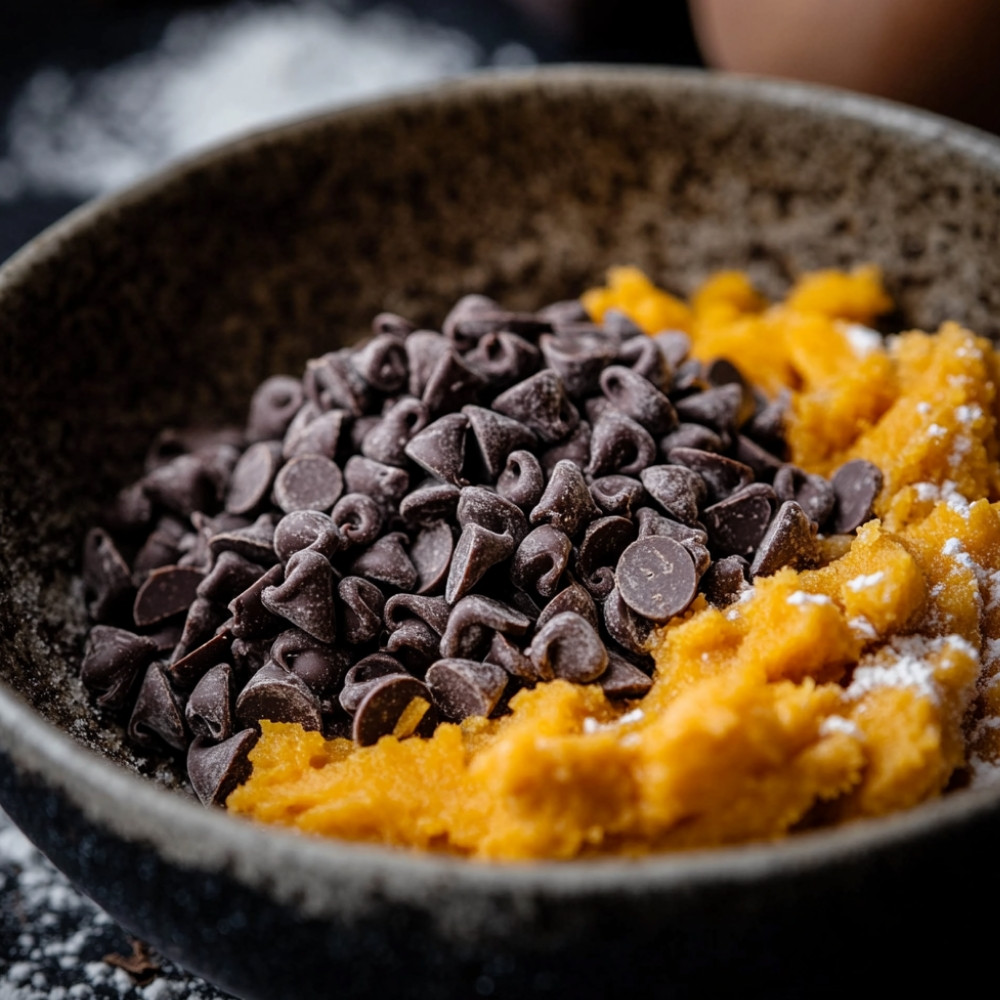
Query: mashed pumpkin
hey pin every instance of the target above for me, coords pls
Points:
(856, 689)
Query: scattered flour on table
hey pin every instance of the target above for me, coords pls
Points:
(215, 75)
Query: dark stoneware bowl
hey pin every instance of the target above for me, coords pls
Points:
(167, 304)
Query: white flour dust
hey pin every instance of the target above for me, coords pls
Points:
(215, 75)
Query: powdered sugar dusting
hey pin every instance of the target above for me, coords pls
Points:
(801, 598)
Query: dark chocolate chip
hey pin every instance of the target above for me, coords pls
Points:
(230, 575)
(629, 630)
(652, 523)
(618, 494)
(678, 490)
(767, 426)
(305, 596)
(646, 359)
(306, 529)
(605, 540)
(478, 549)
(563, 312)
(472, 622)
(158, 713)
(814, 494)
(254, 542)
(415, 643)
(451, 384)
(656, 578)
(215, 770)
(383, 707)
(248, 655)
(203, 619)
(622, 679)
(277, 695)
(106, 576)
(430, 553)
(308, 482)
(691, 436)
(209, 707)
(332, 383)
(736, 525)
(381, 362)
(568, 646)
(572, 598)
(321, 666)
(575, 448)
(386, 561)
(578, 360)
(433, 611)
(440, 448)
(185, 671)
(790, 541)
(522, 480)
(273, 406)
(541, 559)
(722, 476)
(366, 674)
(674, 345)
(183, 485)
(166, 592)
(566, 503)
(718, 408)
(619, 325)
(161, 548)
(468, 307)
(430, 503)
(357, 518)
(497, 436)
(424, 348)
(540, 403)
(385, 484)
(362, 604)
(462, 688)
(725, 580)
(392, 324)
(856, 484)
(763, 463)
(319, 435)
(112, 662)
(503, 358)
(251, 620)
(512, 658)
(478, 505)
(386, 441)
(637, 398)
(619, 445)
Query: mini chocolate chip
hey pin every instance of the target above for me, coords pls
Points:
(814, 494)
(790, 541)
(430, 553)
(185, 671)
(622, 679)
(637, 398)
(566, 503)
(618, 494)
(209, 706)
(462, 688)
(512, 658)
(497, 436)
(522, 480)
(305, 596)
(691, 436)
(568, 646)
(386, 561)
(440, 448)
(736, 525)
(215, 770)
(541, 559)
(478, 549)
(320, 435)
(357, 518)
(112, 662)
(306, 529)
(619, 445)
(158, 713)
(856, 484)
(386, 441)
(678, 490)
(166, 592)
(540, 403)
(578, 360)
(366, 674)
(430, 503)
(503, 358)
(718, 408)
(572, 598)
(277, 695)
(382, 708)
(106, 576)
(725, 580)
(575, 449)
(722, 476)
(273, 406)
(629, 630)
(251, 620)
(254, 542)
(362, 604)
(656, 578)
(321, 666)
(183, 485)
(381, 362)
(451, 384)
(474, 619)
(230, 575)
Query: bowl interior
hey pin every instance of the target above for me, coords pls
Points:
(167, 305)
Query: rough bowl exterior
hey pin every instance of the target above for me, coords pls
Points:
(166, 305)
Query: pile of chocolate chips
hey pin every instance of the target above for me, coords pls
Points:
(427, 522)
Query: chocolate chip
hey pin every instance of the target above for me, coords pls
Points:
(764, 464)
(112, 662)
(522, 480)
(575, 448)
(637, 398)
(725, 580)
(563, 312)
(605, 540)
(305, 596)
(332, 383)
(357, 518)
(469, 307)
(308, 482)
(381, 362)
(183, 485)
(629, 630)
(251, 620)
(451, 384)
(790, 541)
(736, 525)
(541, 559)
(505, 654)
(158, 713)
(415, 643)
(503, 358)
(678, 490)
(622, 679)
(541, 404)
(767, 426)
(386, 441)
(478, 549)
(572, 598)
(646, 359)
(166, 592)
(472, 622)
(478, 505)
(656, 578)
(430, 503)
(856, 484)
(185, 671)
(254, 542)
(566, 503)
(277, 695)
(692, 436)
(319, 435)
(430, 553)
(161, 548)
(215, 770)
(386, 561)
(722, 476)
(674, 345)
(463, 688)
(366, 674)
(440, 448)
(618, 494)
(203, 618)
(433, 611)
(385, 484)
(383, 707)
(306, 529)
(424, 348)
(273, 406)
(497, 436)
(718, 408)
(619, 445)
(209, 707)
(652, 523)
(362, 604)
(321, 666)
(578, 360)
(230, 575)
(567, 646)
(811, 492)
(106, 576)
(392, 324)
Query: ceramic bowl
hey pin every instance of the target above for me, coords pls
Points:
(168, 303)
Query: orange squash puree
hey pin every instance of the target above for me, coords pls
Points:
(851, 690)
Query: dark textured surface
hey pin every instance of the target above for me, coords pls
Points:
(171, 303)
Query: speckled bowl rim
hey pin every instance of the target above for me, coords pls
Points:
(207, 839)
